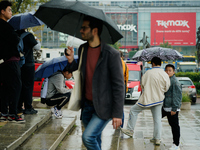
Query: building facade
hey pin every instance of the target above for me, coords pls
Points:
(172, 21)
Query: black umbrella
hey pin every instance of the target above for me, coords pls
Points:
(66, 16)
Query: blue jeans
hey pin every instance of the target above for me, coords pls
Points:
(93, 128)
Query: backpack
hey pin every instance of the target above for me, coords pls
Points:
(20, 48)
(44, 90)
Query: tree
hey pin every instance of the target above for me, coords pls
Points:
(166, 45)
(116, 46)
(21, 6)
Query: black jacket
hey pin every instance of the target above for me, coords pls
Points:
(8, 41)
(29, 42)
(107, 83)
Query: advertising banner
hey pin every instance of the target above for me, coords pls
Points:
(176, 28)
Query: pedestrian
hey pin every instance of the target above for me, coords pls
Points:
(9, 66)
(27, 73)
(155, 83)
(57, 92)
(172, 104)
(102, 83)
(126, 75)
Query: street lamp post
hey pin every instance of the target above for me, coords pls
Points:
(126, 22)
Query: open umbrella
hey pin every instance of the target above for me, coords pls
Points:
(66, 16)
(162, 53)
(24, 20)
(51, 66)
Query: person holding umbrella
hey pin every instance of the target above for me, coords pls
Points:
(155, 83)
(102, 83)
(57, 92)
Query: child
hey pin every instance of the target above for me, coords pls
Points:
(172, 104)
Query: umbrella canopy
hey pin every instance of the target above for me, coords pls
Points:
(24, 20)
(51, 66)
(67, 17)
(162, 53)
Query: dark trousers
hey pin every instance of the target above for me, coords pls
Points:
(11, 87)
(59, 100)
(123, 111)
(174, 123)
(27, 78)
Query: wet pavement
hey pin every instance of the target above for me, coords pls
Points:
(115, 140)
(62, 134)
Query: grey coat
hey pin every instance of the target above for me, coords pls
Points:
(107, 82)
(173, 96)
(56, 85)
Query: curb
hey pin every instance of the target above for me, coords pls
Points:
(62, 135)
(27, 133)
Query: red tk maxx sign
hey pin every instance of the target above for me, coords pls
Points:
(176, 28)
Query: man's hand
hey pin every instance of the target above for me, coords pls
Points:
(173, 113)
(70, 54)
(116, 122)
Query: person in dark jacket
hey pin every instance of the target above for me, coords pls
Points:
(102, 83)
(9, 66)
(172, 104)
(28, 73)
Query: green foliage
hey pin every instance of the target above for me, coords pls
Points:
(131, 53)
(63, 45)
(116, 46)
(197, 85)
(185, 97)
(21, 6)
(166, 45)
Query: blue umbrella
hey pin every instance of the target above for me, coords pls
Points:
(51, 66)
(24, 20)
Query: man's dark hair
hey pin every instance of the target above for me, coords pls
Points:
(170, 65)
(67, 69)
(94, 23)
(156, 61)
(4, 4)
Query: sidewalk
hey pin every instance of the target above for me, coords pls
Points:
(115, 140)
(12, 135)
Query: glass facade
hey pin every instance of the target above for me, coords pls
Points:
(127, 23)
(133, 19)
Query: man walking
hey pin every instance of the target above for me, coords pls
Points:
(102, 83)
(9, 67)
(155, 83)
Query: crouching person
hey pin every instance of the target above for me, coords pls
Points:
(57, 92)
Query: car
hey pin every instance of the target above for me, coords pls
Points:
(134, 81)
(189, 87)
(38, 83)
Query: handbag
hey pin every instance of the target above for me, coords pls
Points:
(75, 98)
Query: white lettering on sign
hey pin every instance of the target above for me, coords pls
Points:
(129, 27)
(182, 23)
